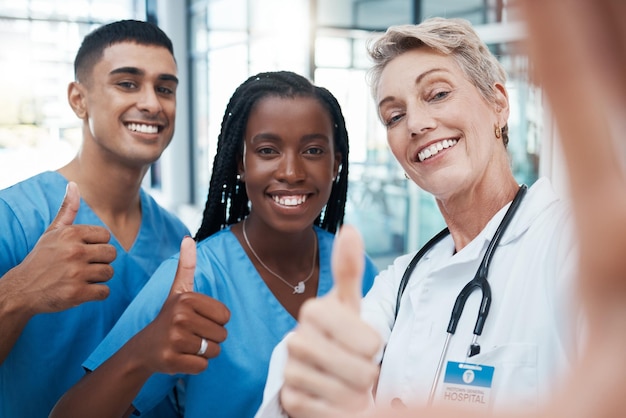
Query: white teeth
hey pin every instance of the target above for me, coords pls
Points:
(435, 148)
(143, 128)
(290, 200)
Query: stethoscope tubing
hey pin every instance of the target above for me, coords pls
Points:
(478, 282)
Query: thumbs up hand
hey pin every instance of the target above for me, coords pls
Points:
(348, 265)
(183, 281)
(66, 267)
(189, 328)
(330, 370)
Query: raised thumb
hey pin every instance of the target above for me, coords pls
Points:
(69, 207)
(348, 264)
(183, 281)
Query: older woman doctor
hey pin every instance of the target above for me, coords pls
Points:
(442, 98)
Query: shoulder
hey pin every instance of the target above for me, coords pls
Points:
(542, 195)
(219, 246)
(546, 211)
(323, 235)
(545, 240)
(26, 210)
(36, 199)
(542, 213)
(45, 186)
(325, 240)
(220, 259)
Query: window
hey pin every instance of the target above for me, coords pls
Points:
(325, 40)
(38, 42)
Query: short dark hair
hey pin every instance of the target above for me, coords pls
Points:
(93, 45)
(227, 202)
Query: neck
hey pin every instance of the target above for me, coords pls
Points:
(467, 215)
(113, 196)
(288, 254)
(110, 191)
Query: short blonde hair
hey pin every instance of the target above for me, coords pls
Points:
(455, 37)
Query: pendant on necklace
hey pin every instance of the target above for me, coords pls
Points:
(299, 288)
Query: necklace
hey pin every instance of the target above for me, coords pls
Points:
(299, 288)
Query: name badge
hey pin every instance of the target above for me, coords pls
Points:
(467, 385)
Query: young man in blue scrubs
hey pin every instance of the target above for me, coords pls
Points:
(78, 243)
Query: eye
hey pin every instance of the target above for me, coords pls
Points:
(266, 151)
(393, 119)
(129, 85)
(166, 87)
(166, 91)
(314, 151)
(439, 95)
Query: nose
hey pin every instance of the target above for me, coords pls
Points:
(148, 101)
(420, 120)
(291, 168)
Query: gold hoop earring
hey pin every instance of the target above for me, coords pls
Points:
(497, 130)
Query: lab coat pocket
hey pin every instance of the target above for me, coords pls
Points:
(515, 379)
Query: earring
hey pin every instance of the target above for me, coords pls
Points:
(497, 130)
(406, 176)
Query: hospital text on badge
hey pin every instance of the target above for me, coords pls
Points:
(467, 384)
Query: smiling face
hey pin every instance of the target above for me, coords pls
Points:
(439, 127)
(289, 161)
(128, 103)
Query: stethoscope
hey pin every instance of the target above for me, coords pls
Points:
(478, 282)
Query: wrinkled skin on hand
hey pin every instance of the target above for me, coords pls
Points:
(331, 369)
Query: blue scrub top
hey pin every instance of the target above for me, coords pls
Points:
(232, 385)
(46, 359)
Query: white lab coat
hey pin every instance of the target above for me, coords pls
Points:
(528, 336)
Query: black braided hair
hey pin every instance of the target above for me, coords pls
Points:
(227, 202)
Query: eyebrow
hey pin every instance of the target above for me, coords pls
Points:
(417, 81)
(266, 136)
(137, 71)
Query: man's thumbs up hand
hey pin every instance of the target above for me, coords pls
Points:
(67, 266)
(69, 207)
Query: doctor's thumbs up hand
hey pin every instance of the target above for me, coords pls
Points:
(190, 326)
(331, 368)
(66, 267)
(347, 265)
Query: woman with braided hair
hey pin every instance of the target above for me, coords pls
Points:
(277, 196)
